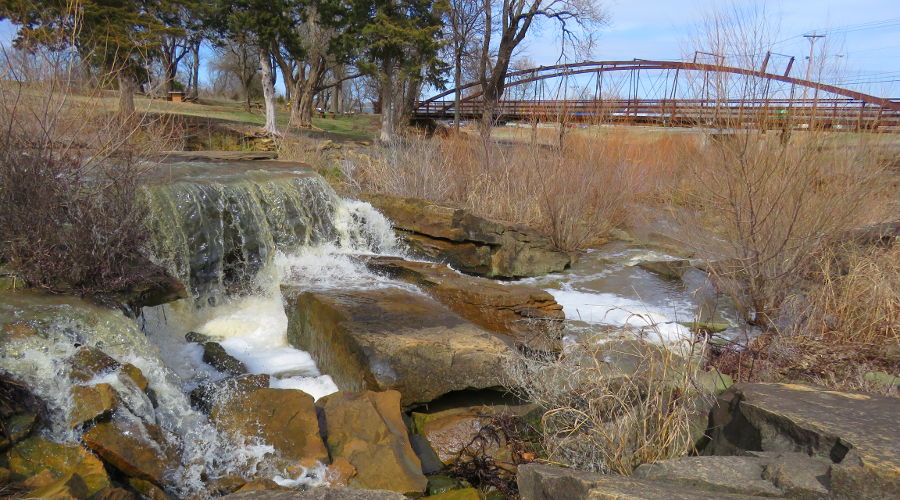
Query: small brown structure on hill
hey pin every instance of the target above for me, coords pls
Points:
(176, 96)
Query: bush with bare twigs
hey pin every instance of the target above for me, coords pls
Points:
(69, 178)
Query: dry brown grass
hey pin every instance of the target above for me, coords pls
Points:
(599, 416)
(574, 194)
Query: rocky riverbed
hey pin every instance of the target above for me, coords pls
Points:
(300, 348)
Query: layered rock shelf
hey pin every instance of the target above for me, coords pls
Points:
(469, 243)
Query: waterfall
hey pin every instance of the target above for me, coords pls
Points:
(233, 233)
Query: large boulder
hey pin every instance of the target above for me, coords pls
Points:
(138, 449)
(283, 418)
(524, 312)
(392, 338)
(469, 243)
(550, 482)
(855, 431)
(367, 429)
(59, 462)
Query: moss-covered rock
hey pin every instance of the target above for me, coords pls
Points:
(35, 455)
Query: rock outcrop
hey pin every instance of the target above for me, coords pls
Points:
(855, 431)
(470, 243)
(392, 338)
(58, 462)
(526, 313)
(138, 449)
(366, 429)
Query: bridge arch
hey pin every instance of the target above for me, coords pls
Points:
(876, 109)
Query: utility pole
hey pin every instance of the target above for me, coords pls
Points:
(812, 43)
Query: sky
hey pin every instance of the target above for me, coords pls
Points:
(862, 36)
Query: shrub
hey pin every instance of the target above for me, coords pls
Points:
(69, 176)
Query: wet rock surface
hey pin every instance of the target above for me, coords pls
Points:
(58, 462)
(393, 339)
(470, 243)
(368, 431)
(524, 312)
(138, 449)
(283, 418)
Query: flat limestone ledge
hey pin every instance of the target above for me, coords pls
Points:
(856, 431)
(519, 310)
(393, 338)
(549, 482)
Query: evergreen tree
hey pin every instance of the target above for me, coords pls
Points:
(398, 43)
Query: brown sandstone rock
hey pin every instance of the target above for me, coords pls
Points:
(260, 485)
(91, 401)
(214, 355)
(368, 431)
(393, 339)
(524, 312)
(138, 449)
(36, 455)
(283, 418)
(448, 432)
(147, 489)
(88, 362)
(68, 487)
(470, 243)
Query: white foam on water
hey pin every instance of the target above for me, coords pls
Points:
(653, 323)
(316, 387)
(309, 477)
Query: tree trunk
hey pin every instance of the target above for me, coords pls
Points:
(457, 81)
(126, 94)
(268, 85)
(195, 70)
(387, 102)
(306, 90)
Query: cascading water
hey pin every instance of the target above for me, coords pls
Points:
(233, 233)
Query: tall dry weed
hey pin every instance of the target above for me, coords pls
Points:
(611, 406)
(763, 209)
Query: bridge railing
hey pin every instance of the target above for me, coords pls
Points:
(841, 113)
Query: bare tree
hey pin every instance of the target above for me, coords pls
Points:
(514, 18)
(238, 58)
(465, 23)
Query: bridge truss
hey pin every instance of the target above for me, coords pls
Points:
(671, 93)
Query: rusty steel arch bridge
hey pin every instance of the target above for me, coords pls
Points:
(671, 93)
